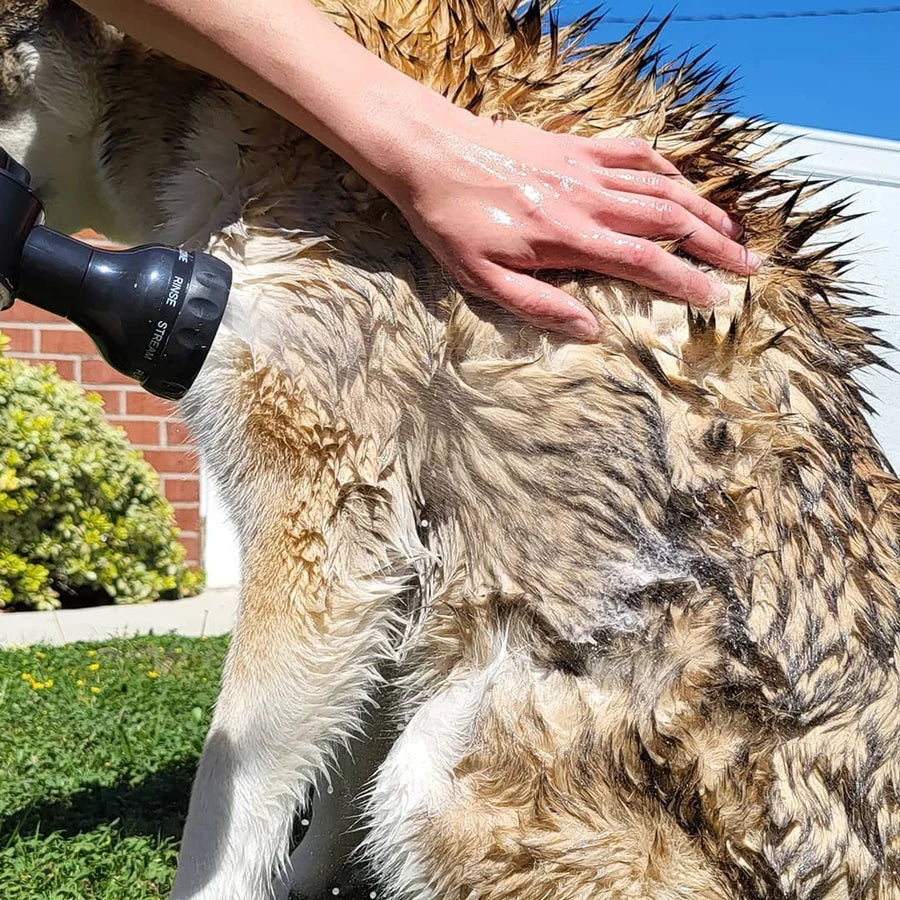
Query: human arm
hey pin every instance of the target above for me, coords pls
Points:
(493, 201)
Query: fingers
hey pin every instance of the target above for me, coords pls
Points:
(633, 153)
(645, 216)
(644, 195)
(536, 302)
(643, 262)
(673, 190)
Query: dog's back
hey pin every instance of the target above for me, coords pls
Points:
(638, 598)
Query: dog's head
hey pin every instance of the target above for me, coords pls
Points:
(50, 97)
(40, 38)
(20, 28)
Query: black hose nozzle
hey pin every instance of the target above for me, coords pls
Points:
(152, 311)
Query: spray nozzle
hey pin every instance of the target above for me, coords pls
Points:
(152, 311)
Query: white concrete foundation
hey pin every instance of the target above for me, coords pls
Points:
(210, 614)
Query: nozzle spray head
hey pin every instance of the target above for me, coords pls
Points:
(152, 311)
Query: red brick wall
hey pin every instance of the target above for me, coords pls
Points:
(151, 424)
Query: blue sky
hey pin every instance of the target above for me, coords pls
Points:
(840, 73)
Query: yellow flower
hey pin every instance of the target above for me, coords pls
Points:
(92, 653)
(153, 674)
(37, 685)
(80, 682)
(25, 676)
(48, 683)
(93, 667)
(39, 655)
(95, 690)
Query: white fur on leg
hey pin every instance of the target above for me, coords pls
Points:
(276, 723)
(297, 678)
(235, 825)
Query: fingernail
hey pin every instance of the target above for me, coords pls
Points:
(718, 293)
(733, 229)
(752, 260)
(584, 329)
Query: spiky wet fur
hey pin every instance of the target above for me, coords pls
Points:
(638, 598)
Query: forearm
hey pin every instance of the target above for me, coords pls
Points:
(291, 58)
(493, 202)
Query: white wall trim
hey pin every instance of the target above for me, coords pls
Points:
(221, 551)
(843, 157)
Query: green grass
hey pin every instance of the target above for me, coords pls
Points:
(99, 747)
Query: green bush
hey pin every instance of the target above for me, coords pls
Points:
(81, 515)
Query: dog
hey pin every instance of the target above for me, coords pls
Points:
(630, 609)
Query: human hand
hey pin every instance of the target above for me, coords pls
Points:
(496, 201)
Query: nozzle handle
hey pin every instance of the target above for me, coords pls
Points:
(20, 211)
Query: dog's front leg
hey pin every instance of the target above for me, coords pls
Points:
(314, 621)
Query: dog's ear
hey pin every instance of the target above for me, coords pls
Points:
(19, 19)
(30, 26)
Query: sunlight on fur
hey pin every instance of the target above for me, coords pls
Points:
(630, 608)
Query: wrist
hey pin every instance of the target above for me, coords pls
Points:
(401, 134)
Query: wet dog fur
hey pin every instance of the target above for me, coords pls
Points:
(634, 604)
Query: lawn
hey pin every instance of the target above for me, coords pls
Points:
(100, 742)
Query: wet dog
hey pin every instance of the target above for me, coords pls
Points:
(634, 604)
